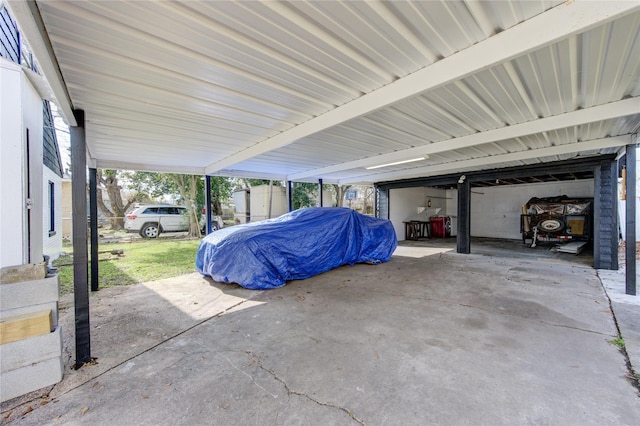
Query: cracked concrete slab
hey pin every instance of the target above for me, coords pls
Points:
(431, 337)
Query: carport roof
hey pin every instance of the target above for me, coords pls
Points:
(308, 90)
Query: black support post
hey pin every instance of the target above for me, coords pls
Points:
(630, 229)
(79, 229)
(376, 194)
(320, 190)
(605, 216)
(207, 203)
(384, 209)
(463, 239)
(290, 195)
(93, 223)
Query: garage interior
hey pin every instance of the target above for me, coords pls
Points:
(419, 99)
(492, 201)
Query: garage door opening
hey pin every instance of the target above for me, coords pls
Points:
(493, 210)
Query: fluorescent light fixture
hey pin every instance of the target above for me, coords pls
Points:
(395, 163)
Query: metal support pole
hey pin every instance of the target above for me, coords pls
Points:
(93, 223)
(320, 190)
(290, 195)
(463, 239)
(79, 213)
(376, 194)
(630, 234)
(207, 203)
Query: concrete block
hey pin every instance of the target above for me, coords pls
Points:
(17, 295)
(25, 352)
(27, 379)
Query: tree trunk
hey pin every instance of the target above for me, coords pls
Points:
(340, 192)
(217, 206)
(368, 193)
(194, 218)
(115, 213)
(187, 187)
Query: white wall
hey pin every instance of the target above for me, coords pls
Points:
(52, 244)
(405, 203)
(20, 109)
(33, 121)
(495, 211)
(10, 155)
(622, 206)
(259, 203)
(327, 198)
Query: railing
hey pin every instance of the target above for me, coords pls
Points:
(9, 37)
(11, 45)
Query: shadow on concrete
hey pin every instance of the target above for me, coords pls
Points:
(497, 247)
(437, 338)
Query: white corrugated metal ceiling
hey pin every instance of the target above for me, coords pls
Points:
(324, 89)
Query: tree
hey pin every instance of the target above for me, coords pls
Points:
(368, 196)
(150, 186)
(220, 192)
(304, 194)
(187, 186)
(117, 205)
(340, 191)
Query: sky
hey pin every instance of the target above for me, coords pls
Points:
(62, 133)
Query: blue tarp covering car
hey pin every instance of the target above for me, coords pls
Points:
(297, 245)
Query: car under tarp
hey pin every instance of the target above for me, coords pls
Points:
(297, 245)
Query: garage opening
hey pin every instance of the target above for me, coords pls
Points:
(567, 206)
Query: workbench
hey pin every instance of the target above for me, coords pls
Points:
(416, 229)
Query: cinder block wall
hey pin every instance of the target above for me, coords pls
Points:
(34, 362)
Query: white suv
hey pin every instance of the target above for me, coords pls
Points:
(150, 220)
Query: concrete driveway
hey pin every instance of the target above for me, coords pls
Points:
(431, 337)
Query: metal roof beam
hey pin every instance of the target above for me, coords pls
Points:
(556, 24)
(594, 114)
(461, 166)
(144, 167)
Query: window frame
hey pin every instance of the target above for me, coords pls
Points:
(52, 208)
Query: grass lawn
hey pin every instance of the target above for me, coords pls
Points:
(142, 261)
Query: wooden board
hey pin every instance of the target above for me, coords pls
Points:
(24, 326)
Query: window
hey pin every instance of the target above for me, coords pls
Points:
(52, 209)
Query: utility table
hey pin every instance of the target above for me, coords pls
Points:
(415, 229)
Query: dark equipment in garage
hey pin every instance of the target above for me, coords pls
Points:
(557, 219)
(440, 226)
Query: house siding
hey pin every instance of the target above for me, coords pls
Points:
(52, 242)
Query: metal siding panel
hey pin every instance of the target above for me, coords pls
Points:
(219, 78)
(383, 203)
(605, 216)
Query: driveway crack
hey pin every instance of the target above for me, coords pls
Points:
(305, 395)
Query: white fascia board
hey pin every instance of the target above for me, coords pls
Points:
(30, 24)
(611, 110)
(250, 175)
(123, 165)
(560, 22)
(456, 166)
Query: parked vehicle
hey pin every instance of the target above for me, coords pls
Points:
(557, 220)
(153, 219)
(216, 222)
(294, 246)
